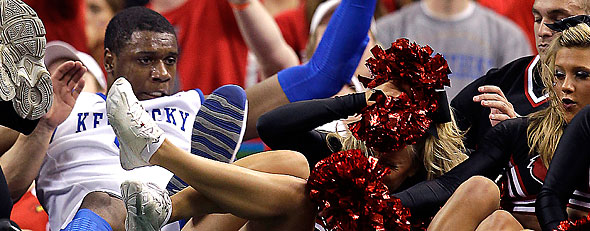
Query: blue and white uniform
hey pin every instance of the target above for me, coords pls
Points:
(83, 155)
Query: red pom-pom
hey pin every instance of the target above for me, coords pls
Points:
(392, 123)
(349, 191)
(580, 224)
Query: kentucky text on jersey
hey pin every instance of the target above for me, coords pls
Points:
(89, 120)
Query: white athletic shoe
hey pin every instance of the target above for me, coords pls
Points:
(138, 134)
(148, 207)
(23, 77)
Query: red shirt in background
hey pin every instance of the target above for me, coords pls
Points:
(519, 11)
(294, 28)
(389, 5)
(212, 51)
(29, 214)
(63, 20)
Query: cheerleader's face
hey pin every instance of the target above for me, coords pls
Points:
(401, 165)
(572, 76)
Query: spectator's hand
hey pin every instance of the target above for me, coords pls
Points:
(500, 108)
(67, 84)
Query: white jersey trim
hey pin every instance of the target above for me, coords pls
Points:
(530, 82)
(524, 209)
(516, 182)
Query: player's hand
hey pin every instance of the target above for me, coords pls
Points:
(500, 108)
(67, 84)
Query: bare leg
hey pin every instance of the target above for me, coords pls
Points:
(245, 192)
(500, 220)
(471, 203)
(217, 222)
(260, 103)
(278, 162)
(8, 139)
(188, 203)
(111, 209)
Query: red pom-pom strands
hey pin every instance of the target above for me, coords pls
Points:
(392, 123)
(580, 224)
(349, 191)
(348, 187)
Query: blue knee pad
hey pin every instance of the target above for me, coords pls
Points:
(85, 219)
(336, 57)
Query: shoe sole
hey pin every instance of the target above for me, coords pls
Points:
(216, 117)
(133, 221)
(23, 76)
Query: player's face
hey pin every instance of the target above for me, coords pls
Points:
(549, 11)
(148, 62)
(401, 166)
(572, 76)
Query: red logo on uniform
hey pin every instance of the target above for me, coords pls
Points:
(537, 169)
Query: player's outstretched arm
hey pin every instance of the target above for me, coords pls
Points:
(331, 66)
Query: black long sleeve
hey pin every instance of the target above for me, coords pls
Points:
(473, 118)
(292, 126)
(568, 168)
(488, 160)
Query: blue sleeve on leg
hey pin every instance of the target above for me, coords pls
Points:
(85, 219)
(336, 57)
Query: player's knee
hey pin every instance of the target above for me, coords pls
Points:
(482, 190)
(279, 162)
(297, 164)
(501, 217)
(290, 163)
(110, 208)
(500, 220)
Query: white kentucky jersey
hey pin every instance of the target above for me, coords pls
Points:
(83, 155)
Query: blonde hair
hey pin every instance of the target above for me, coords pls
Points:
(584, 5)
(437, 155)
(546, 126)
(445, 152)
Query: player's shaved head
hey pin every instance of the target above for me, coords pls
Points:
(130, 20)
